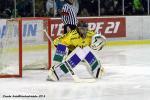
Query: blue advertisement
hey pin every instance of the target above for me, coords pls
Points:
(29, 30)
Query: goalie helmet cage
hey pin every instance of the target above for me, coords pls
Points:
(12, 50)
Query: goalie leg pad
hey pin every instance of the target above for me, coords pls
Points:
(56, 72)
(73, 59)
(93, 62)
(52, 76)
(61, 52)
(61, 69)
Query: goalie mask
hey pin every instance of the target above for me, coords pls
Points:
(82, 28)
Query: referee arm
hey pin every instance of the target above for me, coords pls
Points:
(64, 13)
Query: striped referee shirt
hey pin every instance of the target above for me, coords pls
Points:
(69, 15)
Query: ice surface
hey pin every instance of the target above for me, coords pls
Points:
(127, 77)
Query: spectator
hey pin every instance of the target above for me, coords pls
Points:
(6, 8)
(51, 8)
(128, 7)
(59, 5)
(13, 13)
(102, 9)
(40, 8)
(6, 13)
(145, 6)
(138, 7)
(24, 8)
(93, 4)
(89, 5)
(107, 7)
(76, 5)
(84, 13)
(118, 7)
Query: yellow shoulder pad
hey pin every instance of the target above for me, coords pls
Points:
(90, 33)
(73, 34)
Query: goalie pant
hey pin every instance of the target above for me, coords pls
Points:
(73, 59)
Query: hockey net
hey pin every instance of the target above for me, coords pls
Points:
(24, 46)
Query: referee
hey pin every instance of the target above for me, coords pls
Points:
(69, 16)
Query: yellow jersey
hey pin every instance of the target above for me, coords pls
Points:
(72, 39)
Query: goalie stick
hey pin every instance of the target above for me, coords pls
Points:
(74, 76)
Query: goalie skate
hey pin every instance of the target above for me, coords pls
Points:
(100, 72)
(52, 76)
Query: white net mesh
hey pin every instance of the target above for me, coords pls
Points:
(35, 45)
(9, 50)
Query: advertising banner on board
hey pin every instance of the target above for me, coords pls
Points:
(109, 27)
(32, 28)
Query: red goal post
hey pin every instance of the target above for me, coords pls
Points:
(22, 46)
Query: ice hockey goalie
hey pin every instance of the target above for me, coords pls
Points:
(74, 47)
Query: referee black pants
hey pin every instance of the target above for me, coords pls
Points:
(72, 27)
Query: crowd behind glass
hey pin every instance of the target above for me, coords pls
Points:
(52, 8)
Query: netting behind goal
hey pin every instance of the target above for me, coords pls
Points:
(10, 55)
(31, 50)
(36, 53)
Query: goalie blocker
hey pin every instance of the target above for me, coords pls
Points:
(64, 65)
